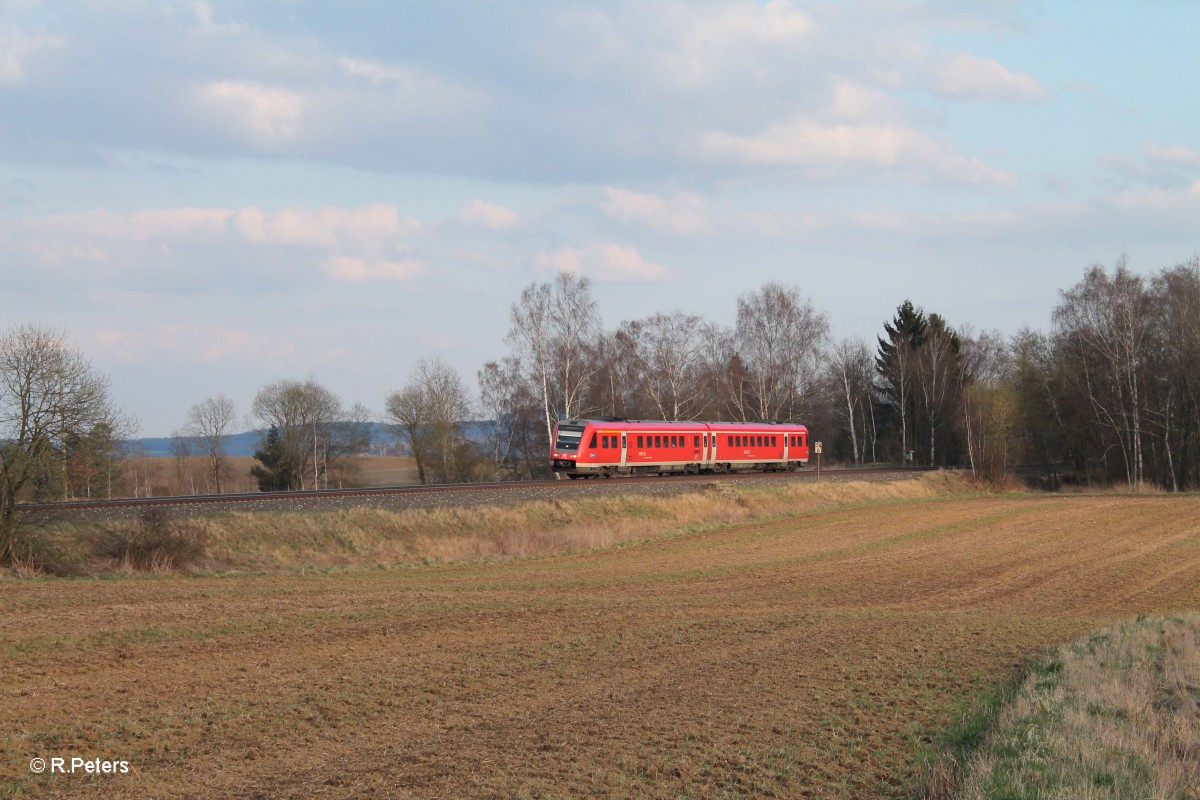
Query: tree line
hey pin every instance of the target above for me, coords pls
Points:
(1111, 393)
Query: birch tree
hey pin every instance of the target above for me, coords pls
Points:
(551, 328)
(208, 423)
(1104, 325)
(780, 338)
(667, 349)
(850, 371)
(937, 370)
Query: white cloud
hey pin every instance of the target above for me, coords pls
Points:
(854, 101)
(209, 344)
(831, 149)
(359, 270)
(685, 213)
(492, 216)
(675, 44)
(352, 244)
(17, 49)
(381, 74)
(708, 38)
(267, 115)
(1158, 199)
(1175, 154)
(604, 262)
(784, 224)
(971, 77)
(146, 225)
(323, 227)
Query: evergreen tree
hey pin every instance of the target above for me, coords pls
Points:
(275, 474)
(896, 364)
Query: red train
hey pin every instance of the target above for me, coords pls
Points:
(589, 448)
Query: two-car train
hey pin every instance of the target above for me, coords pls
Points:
(603, 447)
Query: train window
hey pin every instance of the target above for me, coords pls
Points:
(695, 441)
(593, 444)
(640, 444)
(658, 441)
(675, 441)
(773, 442)
(759, 441)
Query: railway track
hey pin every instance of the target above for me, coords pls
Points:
(448, 495)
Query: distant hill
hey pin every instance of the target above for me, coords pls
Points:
(383, 441)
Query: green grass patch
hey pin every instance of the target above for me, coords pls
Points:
(1113, 715)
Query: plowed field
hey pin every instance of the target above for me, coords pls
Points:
(800, 658)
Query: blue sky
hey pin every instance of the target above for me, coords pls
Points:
(212, 196)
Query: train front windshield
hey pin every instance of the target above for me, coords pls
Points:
(568, 437)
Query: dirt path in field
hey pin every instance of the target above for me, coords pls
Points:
(801, 658)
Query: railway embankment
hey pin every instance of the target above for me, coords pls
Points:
(405, 529)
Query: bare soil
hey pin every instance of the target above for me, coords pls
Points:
(805, 657)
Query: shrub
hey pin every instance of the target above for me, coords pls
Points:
(157, 542)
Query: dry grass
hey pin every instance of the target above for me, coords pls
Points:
(368, 537)
(1115, 715)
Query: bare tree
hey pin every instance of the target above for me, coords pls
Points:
(430, 412)
(667, 351)
(408, 411)
(988, 400)
(851, 372)
(499, 388)
(304, 416)
(937, 372)
(780, 337)
(552, 327)
(181, 452)
(347, 439)
(1104, 324)
(49, 394)
(208, 423)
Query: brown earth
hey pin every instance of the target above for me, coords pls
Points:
(805, 657)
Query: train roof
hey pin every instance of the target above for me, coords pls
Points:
(691, 425)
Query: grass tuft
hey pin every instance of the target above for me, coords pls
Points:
(1114, 715)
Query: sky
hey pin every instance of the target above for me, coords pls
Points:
(211, 196)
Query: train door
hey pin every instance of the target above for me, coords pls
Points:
(787, 438)
(624, 448)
